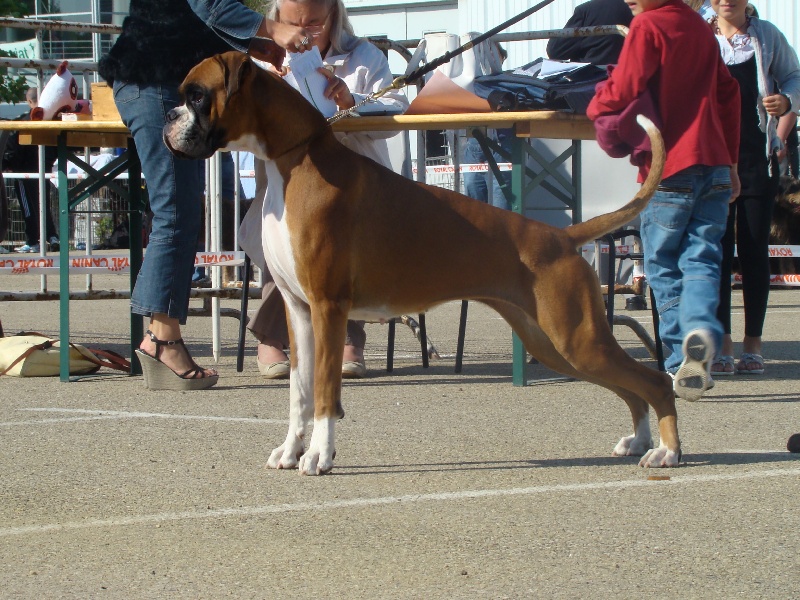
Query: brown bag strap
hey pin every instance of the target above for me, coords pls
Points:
(26, 354)
(101, 358)
(112, 359)
(96, 355)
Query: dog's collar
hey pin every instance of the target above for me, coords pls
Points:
(307, 140)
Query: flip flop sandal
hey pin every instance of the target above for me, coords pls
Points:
(723, 366)
(750, 359)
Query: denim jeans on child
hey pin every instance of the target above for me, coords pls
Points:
(175, 188)
(682, 229)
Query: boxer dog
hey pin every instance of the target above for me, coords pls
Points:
(344, 236)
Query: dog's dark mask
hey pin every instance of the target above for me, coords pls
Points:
(194, 129)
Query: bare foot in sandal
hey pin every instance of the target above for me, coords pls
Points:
(751, 361)
(722, 366)
(750, 364)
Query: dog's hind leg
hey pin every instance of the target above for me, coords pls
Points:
(592, 354)
(329, 320)
(586, 341)
(301, 386)
(599, 358)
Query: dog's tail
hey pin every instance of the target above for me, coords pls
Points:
(590, 230)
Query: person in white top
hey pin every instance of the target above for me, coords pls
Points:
(354, 68)
(768, 71)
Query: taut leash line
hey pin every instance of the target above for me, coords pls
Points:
(404, 80)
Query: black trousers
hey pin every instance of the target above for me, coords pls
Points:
(749, 221)
(28, 195)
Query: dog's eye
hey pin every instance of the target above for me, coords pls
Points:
(195, 96)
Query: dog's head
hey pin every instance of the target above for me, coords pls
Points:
(232, 104)
(203, 123)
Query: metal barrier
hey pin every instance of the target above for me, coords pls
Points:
(90, 228)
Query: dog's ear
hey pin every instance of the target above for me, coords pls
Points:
(237, 66)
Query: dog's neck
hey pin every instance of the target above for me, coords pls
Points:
(284, 136)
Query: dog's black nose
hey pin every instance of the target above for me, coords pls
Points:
(172, 115)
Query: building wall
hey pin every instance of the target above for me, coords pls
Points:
(411, 19)
(462, 16)
(608, 183)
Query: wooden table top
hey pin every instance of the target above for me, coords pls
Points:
(533, 124)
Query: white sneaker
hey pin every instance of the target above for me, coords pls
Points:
(693, 377)
(711, 382)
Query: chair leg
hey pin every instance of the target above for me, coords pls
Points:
(423, 340)
(611, 278)
(243, 315)
(462, 332)
(390, 346)
(657, 335)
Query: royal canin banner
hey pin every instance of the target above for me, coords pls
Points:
(98, 263)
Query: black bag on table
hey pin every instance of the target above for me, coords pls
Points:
(510, 91)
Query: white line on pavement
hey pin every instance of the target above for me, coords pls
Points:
(115, 414)
(64, 420)
(388, 500)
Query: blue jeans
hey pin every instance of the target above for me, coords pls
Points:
(175, 188)
(682, 229)
(476, 184)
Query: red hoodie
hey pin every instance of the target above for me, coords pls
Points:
(672, 52)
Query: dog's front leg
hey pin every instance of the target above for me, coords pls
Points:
(301, 387)
(330, 324)
(639, 443)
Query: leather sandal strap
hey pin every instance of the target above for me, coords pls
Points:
(159, 342)
(194, 372)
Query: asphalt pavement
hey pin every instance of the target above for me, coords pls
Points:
(445, 485)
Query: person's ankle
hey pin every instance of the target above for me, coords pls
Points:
(353, 354)
(269, 353)
(751, 345)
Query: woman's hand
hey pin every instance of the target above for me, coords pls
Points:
(776, 105)
(267, 51)
(337, 90)
(294, 39)
(736, 184)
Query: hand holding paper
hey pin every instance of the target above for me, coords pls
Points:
(337, 90)
(304, 77)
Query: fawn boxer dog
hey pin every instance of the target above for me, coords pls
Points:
(346, 236)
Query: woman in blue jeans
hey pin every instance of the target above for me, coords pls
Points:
(161, 41)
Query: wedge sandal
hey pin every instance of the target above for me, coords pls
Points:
(158, 376)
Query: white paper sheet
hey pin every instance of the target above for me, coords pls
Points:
(304, 77)
(555, 67)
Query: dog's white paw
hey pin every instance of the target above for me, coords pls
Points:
(660, 457)
(632, 446)
(286, 455)
(314, 463)
(319, 458)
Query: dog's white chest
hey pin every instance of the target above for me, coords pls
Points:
(275, 235)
